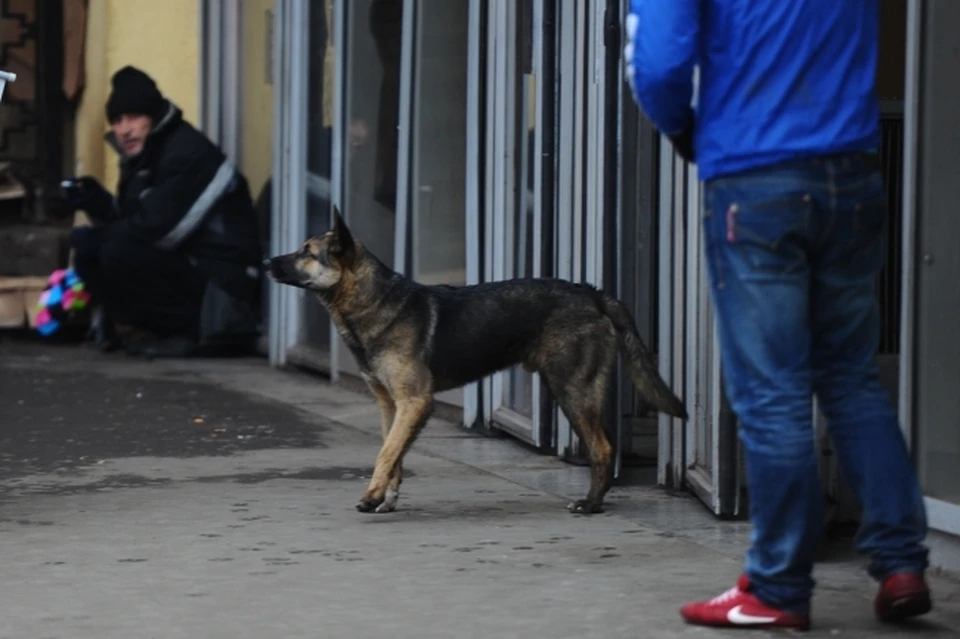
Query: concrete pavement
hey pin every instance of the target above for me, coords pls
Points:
(215, 499)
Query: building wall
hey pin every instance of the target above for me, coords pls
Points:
(163, 39)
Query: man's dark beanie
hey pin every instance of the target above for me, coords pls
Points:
(135, 93)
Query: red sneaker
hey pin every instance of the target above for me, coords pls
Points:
(902, 596)
(737, 608)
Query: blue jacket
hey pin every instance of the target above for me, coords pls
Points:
(778, 79)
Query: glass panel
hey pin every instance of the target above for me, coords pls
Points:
(638, 259)
(518, 395)
(256, 113)
(439, 160)
(939, 463)
(315, 327)
(373, 108)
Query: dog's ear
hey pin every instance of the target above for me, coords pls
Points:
(343, 245)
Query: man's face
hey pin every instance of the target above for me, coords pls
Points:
(131, 131)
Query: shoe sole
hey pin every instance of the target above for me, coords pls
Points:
(907, 607)
(804, 627)
(768, 628)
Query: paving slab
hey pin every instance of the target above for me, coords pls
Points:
(215, 499)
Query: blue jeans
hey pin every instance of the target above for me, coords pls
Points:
(794, 252)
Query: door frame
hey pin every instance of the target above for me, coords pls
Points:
(288, 223)
(474, 178)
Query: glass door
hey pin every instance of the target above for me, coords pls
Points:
(703, 454)
(513, 207)
(373, 35)
(433, 250)
(438, 145)
(587, 165)
(297, 64)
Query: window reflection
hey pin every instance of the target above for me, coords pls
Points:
(440, 146)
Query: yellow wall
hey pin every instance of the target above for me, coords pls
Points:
(256, 145)
(161, 38)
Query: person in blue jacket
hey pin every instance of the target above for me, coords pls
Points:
(785, 134)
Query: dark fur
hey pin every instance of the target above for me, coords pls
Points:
(412, 341)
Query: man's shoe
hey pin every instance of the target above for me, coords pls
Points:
(902, 596)
(738, 608)
(133, 340)
(102, 333)
(134, 346)
(175, 347)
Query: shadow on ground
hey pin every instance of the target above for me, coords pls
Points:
(54, 421)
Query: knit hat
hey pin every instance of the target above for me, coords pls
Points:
(135, 92)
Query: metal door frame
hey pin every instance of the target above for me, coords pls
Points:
(221, 80)
(288, 223)
(473, 223)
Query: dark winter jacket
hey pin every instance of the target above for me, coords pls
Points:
(182, 194)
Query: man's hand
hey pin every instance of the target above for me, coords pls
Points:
(87, 194)
(683, 143)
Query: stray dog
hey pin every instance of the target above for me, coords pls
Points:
(412, 341)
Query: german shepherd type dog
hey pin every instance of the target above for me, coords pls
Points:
(412, 341)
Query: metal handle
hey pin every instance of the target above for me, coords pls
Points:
(6, 76)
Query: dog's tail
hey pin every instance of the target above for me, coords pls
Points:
(643, 370)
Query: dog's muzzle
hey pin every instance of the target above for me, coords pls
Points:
(273, 267)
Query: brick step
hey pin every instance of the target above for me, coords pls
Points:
(18, 300)
(29, 250)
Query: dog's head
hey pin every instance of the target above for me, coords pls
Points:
(320, 264)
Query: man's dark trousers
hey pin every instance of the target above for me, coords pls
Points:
(140, 285)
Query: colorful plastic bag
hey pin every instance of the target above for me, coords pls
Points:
(64, 294)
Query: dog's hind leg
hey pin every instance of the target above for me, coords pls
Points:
(578, 379)
(388, 412)
(586, 418)
(411, 415)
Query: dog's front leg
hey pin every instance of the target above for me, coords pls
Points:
(411, 415)
(388, 412)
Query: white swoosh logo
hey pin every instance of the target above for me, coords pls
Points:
(738, 618)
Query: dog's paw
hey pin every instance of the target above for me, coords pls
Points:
(389, 502)
(368, 504)
(584, 507)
